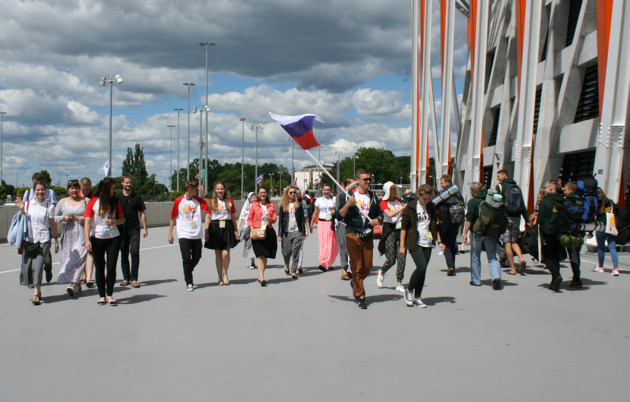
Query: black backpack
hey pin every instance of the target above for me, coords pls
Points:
(513, 199)
(587, 191)
(456, 210)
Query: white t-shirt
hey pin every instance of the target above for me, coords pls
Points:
(222, 213)
(425, 238)
(326, 206)
(188, 214)
(292, 222)
(394, 205)
(40, 215)
(100, 229)
(363, 201)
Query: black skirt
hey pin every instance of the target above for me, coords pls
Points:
(221, 238)
(268, 247)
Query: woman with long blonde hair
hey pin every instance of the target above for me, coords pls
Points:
(604, 238)
(291, 229)
(221, 229)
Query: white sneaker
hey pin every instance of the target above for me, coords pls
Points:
(400, 288)
(615, 272)
(408, 298)
(379, 278)
(189, 287)
(418, 302)
(598, 269)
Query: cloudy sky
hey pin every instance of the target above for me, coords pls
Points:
(347, 61)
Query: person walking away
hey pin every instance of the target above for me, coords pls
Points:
(361, 213)
(603, 238)
(186, 216)
(134, 211)
(547, 221)
(490, 221)
(451, 216)
(417, 234)
(515, 209)
(392, 208)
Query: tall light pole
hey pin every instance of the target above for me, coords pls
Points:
(1, 143)
(280, 185)
(354, 166)
(292, 158)
(104, 81)
(188, 85)
(178, 141)
(243, 157)
(338, 163)
(170, 180)
(206, 45)
(200, 110)
(259, 125)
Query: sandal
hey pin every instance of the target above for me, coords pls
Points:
(226, 280)
(112, 301)
(35, 300)
(102, 301)
(286, 271)
(89, 284)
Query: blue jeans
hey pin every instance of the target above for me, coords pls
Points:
(475, 257)
(602, 237)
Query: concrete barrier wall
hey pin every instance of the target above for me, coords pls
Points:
(157, 215)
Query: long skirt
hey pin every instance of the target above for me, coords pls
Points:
(72, 254)
(328, 248)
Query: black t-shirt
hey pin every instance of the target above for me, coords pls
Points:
(132, 205)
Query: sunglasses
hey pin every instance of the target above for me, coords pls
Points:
(366, 179)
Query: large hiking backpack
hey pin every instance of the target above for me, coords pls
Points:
(587, 190)
(567, 225)
(491, 222)
(513, 199)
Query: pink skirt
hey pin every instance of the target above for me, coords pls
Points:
(328, 248)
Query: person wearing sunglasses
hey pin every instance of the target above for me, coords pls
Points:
(291, 229)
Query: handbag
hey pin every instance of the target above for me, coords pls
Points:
(30, 249)
(611, 227)
(258, 234)
(377, 231)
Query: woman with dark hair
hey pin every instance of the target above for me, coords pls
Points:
(262, 216)
(221, 227)
(418, 234)
(604, 238)
(35, 248)
(291, 229)
(69, 214)
(102, 215)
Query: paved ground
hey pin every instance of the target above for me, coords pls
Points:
(306, 340)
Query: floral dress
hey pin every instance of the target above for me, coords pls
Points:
(72, 246)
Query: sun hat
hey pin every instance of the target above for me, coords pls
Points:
(387, 187)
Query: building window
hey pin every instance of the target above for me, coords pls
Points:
(577, 166)
(495, 127)
(588, 106)
(537, 108)
(574, 14)
(487, 175)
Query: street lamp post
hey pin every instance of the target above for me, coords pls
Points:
(188, 84)
(201, 145)
(354, 166)
(259, 125)
(243, 157)
(206, 45)
(338, 163)
(170, 180)
(280, 185)
(1, 143)
(104, 81)
(178, 141)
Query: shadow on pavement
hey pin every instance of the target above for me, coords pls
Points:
(139, 298)
(432, 301)
(156, 282)
(370, 299)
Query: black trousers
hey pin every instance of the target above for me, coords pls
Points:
(574, 257)
(130, 245)
(191, 254)
(551, 255)
(100, 247)
(450, 242)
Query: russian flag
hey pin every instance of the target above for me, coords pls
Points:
(259, 179)
(300, 128)
(318, 181)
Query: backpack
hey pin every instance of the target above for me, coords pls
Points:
(456, 210)
(513, 199)
(567, 225)
(587, 190)
(491, 222)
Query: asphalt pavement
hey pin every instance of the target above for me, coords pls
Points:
(306, 339)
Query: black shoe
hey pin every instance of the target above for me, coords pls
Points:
(450, 272)
(322, 268)
(576, 284)
(555, 284)
(496, 283)
(262, 283)
(300, 270)
(362, 303)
